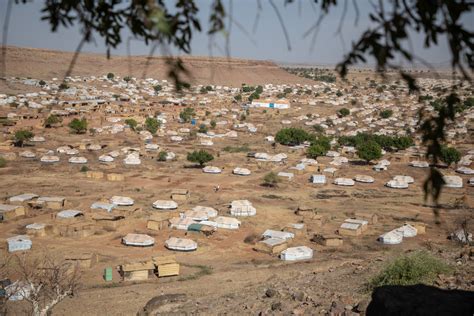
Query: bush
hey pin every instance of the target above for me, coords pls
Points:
(3, 162)
(292, 136)
(369, 151)
(131, 123)
(157, 88)
(315, 151)
(213, 124)
(127, 79)
(202, 129)
(84, 169)
(450, 155)
(78, 126)
(21, 136)
(254, 96)
(186, 115)
(238, 97)
(203, 90)
(339, 93)
(110, 76)
(318, 128)
(63, 86)
(201, 157)
(323, 141)
(386, 114)
(152, 125)
(52, 120)
(417, 267)
(287, 90)
(42, 83)
(259, 90)
(162, 156)
(386, 142)
(343, 112)
(271, 179)
(209, 88)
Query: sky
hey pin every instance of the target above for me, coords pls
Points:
(266, 41)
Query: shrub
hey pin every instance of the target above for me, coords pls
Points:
(213, 124)
(287, 90)
(152, 125)
(202, 129)
(131, 123)
(201, 157)
(417, 267)
(322, 141)
(259, 90)
(450, 155)
(52, 120)
(3, 162)
(186, 115)
(157, 88)
(291, 136)
(84, 169)
(369, 151)
(318, 128)
(339, 93)
(315, 151)
(271, 179)
(162, 156)
(127, 79)
(386, 114)
(238, 97)
(21, 136)
(110, 76)
(78, 126)
(42, 83)
(343, 112)
(63, 86)
(254, 96)
(209, 88)
(203, 90)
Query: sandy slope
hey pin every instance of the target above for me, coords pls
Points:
(41, 63)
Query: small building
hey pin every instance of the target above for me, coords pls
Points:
(8, 212)
(108, 221)
(318, 179)
(269, 233)
(22, 198)
(350, 229)
(372, 218)
(19, 243)
(242, 208)
(159, 221)
(139, 271)
(166, 266)
(83, 260)
(180, 194)
(37, 229)
(271, 246)
(51, 202)
(297, 253)
(329, 240)
(391, 238)
(270, 104)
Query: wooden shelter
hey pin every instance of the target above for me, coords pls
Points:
(180, 194)
(166, 266)
(138, 271)
(328, 240)
(8, 212)
(83, 260)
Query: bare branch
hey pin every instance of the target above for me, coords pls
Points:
(282, 23)
(6, 23)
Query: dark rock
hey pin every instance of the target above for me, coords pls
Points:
(165, 303)
(277, 306)
(420, 300)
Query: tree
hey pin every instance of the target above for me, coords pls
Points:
(259, 90)
(385, 114)
(131, 123)
(47, 280)
(162, 156)
(271, 180)
(450, 155)
(22, 136)
(110, 76)
(186, 115)
(52, 120)
(291, 136)
(157, 88)
(203, 90)
(343, 112)
(78, 126)
(316, 150)
(238, 97)
(202, 129)
(202, 157)
(127, 79)
(209, 88)
(152, 125)
(369, 151)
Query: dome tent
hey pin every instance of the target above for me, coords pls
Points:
(181, 244)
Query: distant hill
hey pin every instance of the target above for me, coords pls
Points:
(46, 64)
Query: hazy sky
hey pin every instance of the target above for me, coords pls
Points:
(267, 41)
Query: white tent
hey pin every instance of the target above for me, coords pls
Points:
(397, 184)
(241, 171)
(269, 233)
(344, 181)
(226, 222)
(69, 214)
(22, 197)
(19, 243)
(78, 160)
(419, 164)
(297, 253)
(211, 169)
(49, 159)
(181, 244)
(465, 170)
(406, 179)
(407, 230)
(452, 181)
(318, 179)
(211, 212)
(139, 240)
(165, 205)
(181, 223)
(122, 200)
(106, 158)
(363, 178)
(391, 238)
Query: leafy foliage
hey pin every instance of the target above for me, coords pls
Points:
(343, 112)
(385, 114)
(202, 157)
(370, 150)
(292, 136)
(162, 156)
(52, 120)
(450, 155)
(78, 126)
(186, 115)
(110, 76)
(3, 162)
(22, 136)
(316, 150)
(131, 123)
(271, 179)
(386, 142)
(152, 125)
(157, 88)
(213, 124)
(203, 129)
(417, 267)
